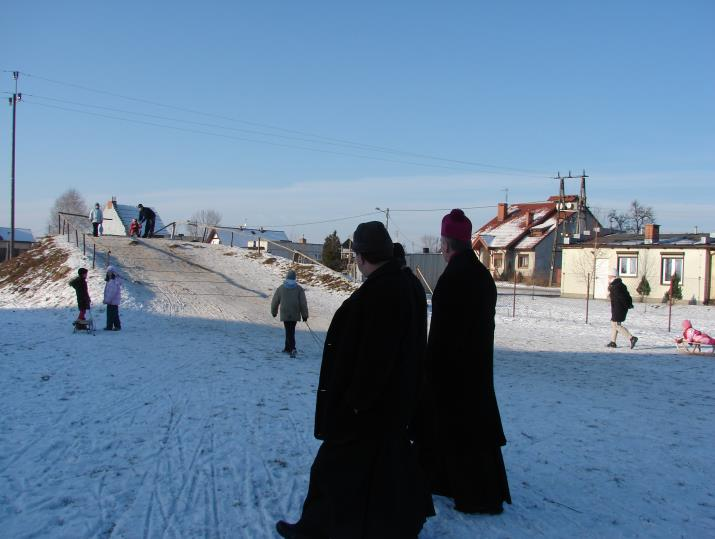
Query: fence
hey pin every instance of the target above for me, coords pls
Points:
(64, 226)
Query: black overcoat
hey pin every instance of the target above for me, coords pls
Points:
(80, 287)
(621, 300)
(365, 480)
(459, 417)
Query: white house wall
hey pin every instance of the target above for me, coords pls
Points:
(578, 263)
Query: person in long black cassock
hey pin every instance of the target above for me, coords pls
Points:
(365, 481)
(459, 429)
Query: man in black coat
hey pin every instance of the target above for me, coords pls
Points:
(147, 216)
(459, 430)
(621, 301)
(365, 481)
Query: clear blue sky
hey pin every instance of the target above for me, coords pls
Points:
(625, 90)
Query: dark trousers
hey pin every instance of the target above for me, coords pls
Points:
(290, 336)
(113, 317)
(148, 228)
(95, 229)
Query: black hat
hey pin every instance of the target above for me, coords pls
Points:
(82, 270)
(372, 237)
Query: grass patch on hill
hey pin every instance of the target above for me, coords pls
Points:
(43, 264)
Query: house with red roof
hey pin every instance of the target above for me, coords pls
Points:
(527, 237)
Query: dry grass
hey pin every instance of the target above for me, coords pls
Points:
(307, 274)
(41, 265)
(269, 261)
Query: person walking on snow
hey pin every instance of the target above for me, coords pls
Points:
(148, 217)
(290, 297)
(365, 482)
(458, 429)
(112, 296)
(621, 301)
(96, 217)
(79, 284)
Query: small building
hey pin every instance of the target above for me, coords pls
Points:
(24, 240)
(652, 255)
(118, 217)
(246, 238)
(527, 237)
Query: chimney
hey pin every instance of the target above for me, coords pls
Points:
(425, 250)
(651, 233)
(501, 211)
(529, 218)
(303, 240)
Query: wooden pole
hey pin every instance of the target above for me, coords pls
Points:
(231, 238)
(513, 306)
(94, 253)
(76, 237)
(107, 259)
(84, 244)
(417, 269)
(588, 293)
(670, 303)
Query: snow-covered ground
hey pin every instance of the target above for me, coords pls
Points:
(189, 422)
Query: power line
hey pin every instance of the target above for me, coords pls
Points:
(368, 147)
(246, 139)
(323, 222)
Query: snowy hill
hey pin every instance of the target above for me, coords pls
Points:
(189, 423)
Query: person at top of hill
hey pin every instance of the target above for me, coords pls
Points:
(365, 481)
(621, 301)
(79, 284)
(134, 228)
(112, 297)
(96, 217)
(148, 217)
(458, 428)
(690, 334)
(290, 297)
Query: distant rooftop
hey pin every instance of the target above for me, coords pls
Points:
(21, 234)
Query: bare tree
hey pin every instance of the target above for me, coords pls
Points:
(640, 215)
(618, 221)
(633, 219)
(202, 220)
(431, 242)
(69, 202)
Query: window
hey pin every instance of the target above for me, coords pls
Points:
(628, 266)
(498, 260)
(523, 261)
(670, 266)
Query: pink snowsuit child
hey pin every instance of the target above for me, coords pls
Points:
(690, 334)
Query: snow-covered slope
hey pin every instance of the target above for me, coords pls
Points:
(189, 423)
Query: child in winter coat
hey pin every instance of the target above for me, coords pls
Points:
(690, 334)
(133, 228)
(290, 296)
(79, 284)
(112, 296)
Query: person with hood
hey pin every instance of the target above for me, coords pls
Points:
(365, 481)
(96, 217)
(148, 217)
(79, 284)
(692, 335)
(621, 301)
(112, 297)
(290, 297)
(458, 429)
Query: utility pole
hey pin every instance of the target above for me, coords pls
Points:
(582, 204)
(13, 102)
(559, 207)
(387, 217)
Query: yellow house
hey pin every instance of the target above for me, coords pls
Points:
(632, 256)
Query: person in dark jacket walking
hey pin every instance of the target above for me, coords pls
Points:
(79, 284)
(621, 301)
(459, 430)
(148, 217)
(365, 480)
(290, 297)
